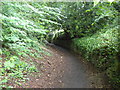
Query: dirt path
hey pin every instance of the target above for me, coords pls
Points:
(64, 70)
(74, 75)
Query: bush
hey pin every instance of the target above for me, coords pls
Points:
(101, 49)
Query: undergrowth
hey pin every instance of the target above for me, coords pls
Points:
(101, 49)
(27, 25)
(24, 28)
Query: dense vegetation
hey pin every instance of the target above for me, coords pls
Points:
(92, 30)
(24, 27)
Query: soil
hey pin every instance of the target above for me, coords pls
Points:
(64, 69)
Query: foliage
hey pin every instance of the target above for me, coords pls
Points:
(94, 32)
(83, 19)
(101, 49)
(24, 26)
(91, 26)
(104, 45)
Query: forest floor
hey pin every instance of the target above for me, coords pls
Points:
(63, 69)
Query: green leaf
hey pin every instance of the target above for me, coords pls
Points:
(3, 81)
(96, 2)
(9, 64)
(0, 51)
